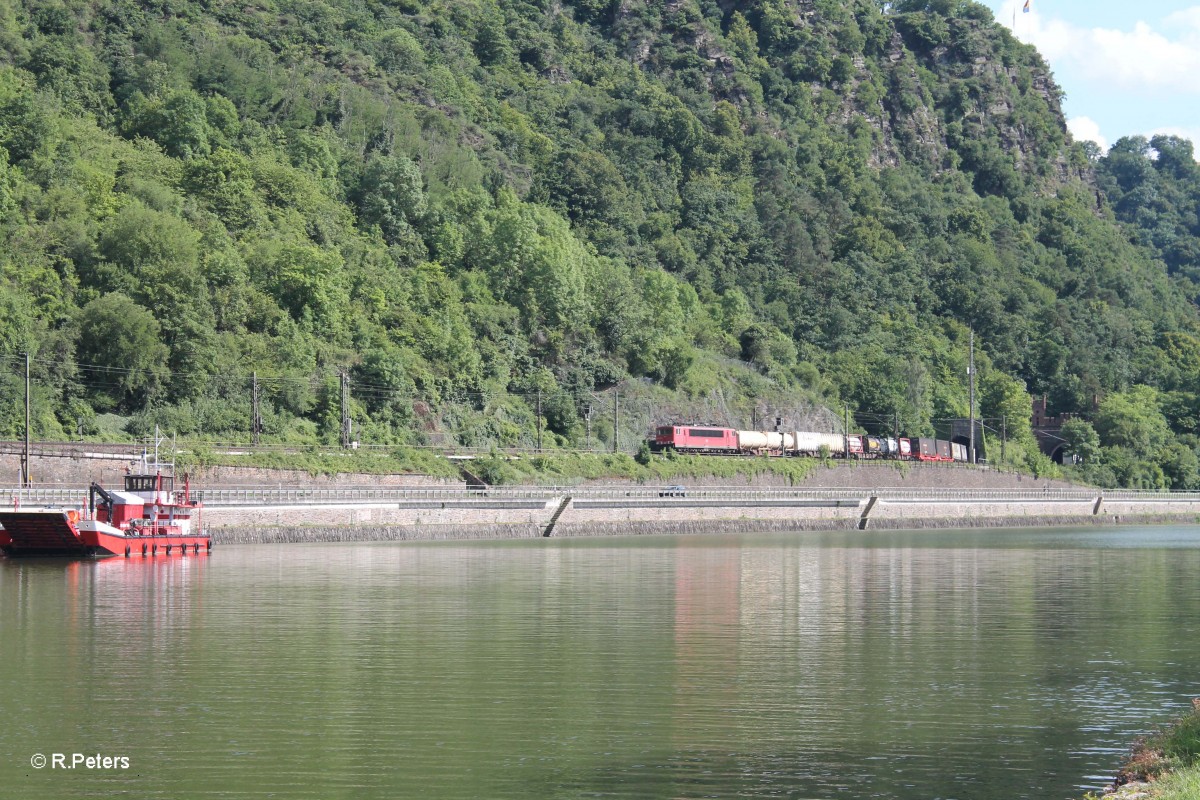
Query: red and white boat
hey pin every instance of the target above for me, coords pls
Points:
(148, 518)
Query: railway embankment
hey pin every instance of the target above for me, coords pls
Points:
(258, 505)
(83, 463)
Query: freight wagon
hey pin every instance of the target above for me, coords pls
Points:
(810, 444)
(713, 440)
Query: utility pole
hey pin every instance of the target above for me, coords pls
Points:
(971, 375)
(1003, 437)
(25, 481)
(846, 430)
(896, 428)
(588, 418)
(345, 410)
(616, 416)
(539, 420)
(256, 417)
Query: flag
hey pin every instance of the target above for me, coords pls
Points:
(1025, 8)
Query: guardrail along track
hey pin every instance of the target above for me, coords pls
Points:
(294, 495)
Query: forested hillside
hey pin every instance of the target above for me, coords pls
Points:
(473, 206)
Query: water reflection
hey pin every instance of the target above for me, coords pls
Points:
(970, 664)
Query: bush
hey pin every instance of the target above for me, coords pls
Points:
(1176, 747)
(495, 470)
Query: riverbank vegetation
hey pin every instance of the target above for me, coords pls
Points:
(1169, 760)
(491, 223)
(1181, 785)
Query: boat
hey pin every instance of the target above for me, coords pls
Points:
(149, 517)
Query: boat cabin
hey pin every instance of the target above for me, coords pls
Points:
(151, 488)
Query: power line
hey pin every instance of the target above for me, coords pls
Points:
(101, 377)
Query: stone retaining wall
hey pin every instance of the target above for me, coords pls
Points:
(494, 520)
(371, 533)
(374, 515)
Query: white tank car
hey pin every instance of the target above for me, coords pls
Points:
(809, 444)
(763, 441)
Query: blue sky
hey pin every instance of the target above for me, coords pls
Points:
(1126, 67)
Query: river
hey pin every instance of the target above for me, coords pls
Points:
(943, 664)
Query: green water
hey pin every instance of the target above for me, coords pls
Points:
(982, 664)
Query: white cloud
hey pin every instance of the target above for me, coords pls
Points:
(1187, 18)
(1141, 58)
(1086, 129)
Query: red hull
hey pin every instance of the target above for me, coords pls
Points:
(51, 533)
(172, 545)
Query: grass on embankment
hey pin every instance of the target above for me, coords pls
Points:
(1170, 759)
(497, 469)
(570, 468)
(314, 461)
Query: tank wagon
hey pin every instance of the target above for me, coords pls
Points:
(713, 440)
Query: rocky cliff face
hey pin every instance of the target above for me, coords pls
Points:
(928, 88)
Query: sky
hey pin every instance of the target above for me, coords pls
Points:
(1127, 68)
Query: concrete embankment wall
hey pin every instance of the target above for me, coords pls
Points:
(501, 519)
(378, 522)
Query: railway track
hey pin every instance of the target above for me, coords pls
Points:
(105, 450)
(217, 496)
(129, 450)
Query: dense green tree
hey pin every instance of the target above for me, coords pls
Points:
(1133, 420)
(121, 340)
(1180, 466)
(391, 196)
(177, 120)
(1082, 440)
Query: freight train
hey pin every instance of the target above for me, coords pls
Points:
(709, 440)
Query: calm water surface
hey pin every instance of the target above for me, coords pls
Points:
(969, 664)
